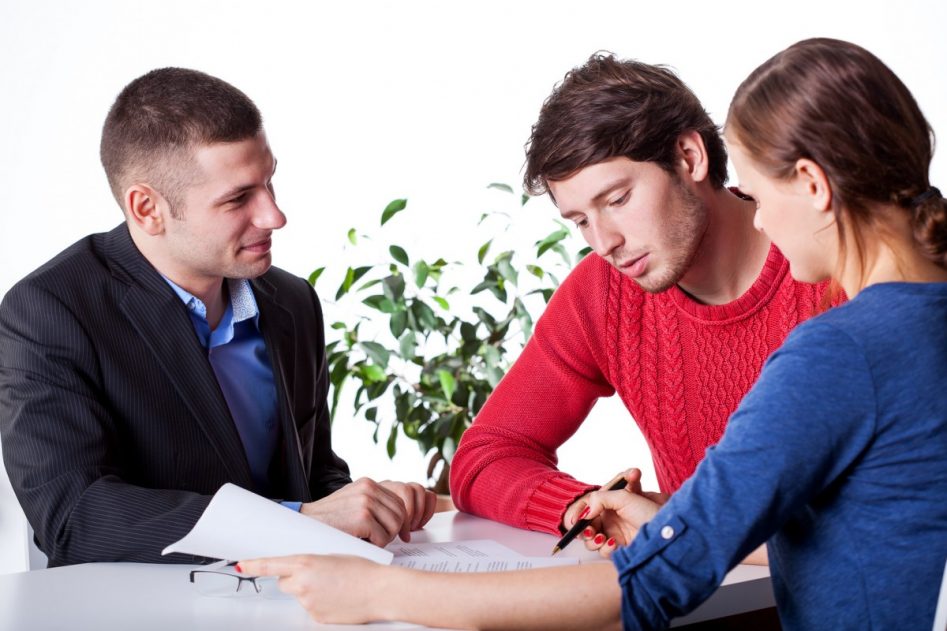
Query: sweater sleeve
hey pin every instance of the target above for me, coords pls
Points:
(798, 431)
(505, 466)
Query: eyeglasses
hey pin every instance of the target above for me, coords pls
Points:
(217, 580)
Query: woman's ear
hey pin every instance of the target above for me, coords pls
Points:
(812, 182)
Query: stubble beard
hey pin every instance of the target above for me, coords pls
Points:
(685, 235)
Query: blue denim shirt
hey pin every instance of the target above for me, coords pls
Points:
(838, 459)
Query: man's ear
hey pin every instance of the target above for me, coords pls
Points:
(692, 156)
(811, 182)
(146, 208)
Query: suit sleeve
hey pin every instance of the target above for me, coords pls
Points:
(61, 446)
(505, 466)
(328, 472)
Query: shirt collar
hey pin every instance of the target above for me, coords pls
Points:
(242, 301)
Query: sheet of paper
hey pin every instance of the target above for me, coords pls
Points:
(480, 555)
(472, 549)
(238, 524)
(489, 564)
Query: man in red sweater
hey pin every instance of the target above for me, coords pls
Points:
(676, 310)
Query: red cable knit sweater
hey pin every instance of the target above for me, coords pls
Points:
(680, 367)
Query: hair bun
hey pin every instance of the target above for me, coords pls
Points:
(930, 224)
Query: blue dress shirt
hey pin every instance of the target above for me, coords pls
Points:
(237, 353)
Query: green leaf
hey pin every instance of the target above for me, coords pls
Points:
(421, 271)
(351, 235)
(501, 187)
(561, 251)
(407, 344)
(392, 440)
(581, 254)
(482, 253)
(468, 332)
(315, 276)
(371, 373)
(536, 271)
(338, 325)
(351, 276)
(398, 254)
(370, 283)
(525, 198)
(547, 293)
(486, 318)
(381, 303)
(398, 322)
(377, 352)
(395, 207)
(424, 315)
(371, 413)
(393, 286)
(448, 383)
(505, 267)
(487, 284)
(443, 303)
(550, 240)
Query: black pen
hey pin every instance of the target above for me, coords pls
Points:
(618, 482)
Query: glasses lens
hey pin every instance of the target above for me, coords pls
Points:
(216, 584)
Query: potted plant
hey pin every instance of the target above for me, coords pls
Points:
(424, 364)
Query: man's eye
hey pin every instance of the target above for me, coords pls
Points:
(582, 223)
(619, 201)
(239, 199)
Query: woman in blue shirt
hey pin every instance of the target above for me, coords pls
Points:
(837, 458)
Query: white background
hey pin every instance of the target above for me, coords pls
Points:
(367, 101)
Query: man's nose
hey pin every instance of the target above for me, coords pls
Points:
(269, 215)
(604, 238)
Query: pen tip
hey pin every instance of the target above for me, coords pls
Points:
(555, 550)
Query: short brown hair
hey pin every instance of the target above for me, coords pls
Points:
(159, 117)
(835, 103)
(608, 108)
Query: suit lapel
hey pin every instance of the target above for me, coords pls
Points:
(163, 324)
(278, 328)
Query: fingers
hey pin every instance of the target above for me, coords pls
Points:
(430, 505)
(273, 566)
(633, 478)
(419, 504)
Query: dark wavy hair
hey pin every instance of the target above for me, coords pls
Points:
(608, 108)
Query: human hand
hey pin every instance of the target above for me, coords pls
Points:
(419, 505)
(579, 510)
(364, 509)
(622, 513)
(336, 589)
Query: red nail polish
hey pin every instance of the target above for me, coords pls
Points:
(610, 542)
(585, 512)
(237, 567)
(587, 533)
(599, 538)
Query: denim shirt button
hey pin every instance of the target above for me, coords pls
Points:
(667, 532)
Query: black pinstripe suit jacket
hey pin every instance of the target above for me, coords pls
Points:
(114, 430)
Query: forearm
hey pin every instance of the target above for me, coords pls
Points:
(115, 521)
(505, 476)
(757, 557)
(573, 597)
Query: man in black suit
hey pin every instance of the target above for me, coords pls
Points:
(143, 368)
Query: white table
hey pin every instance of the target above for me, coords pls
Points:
(145, 597)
